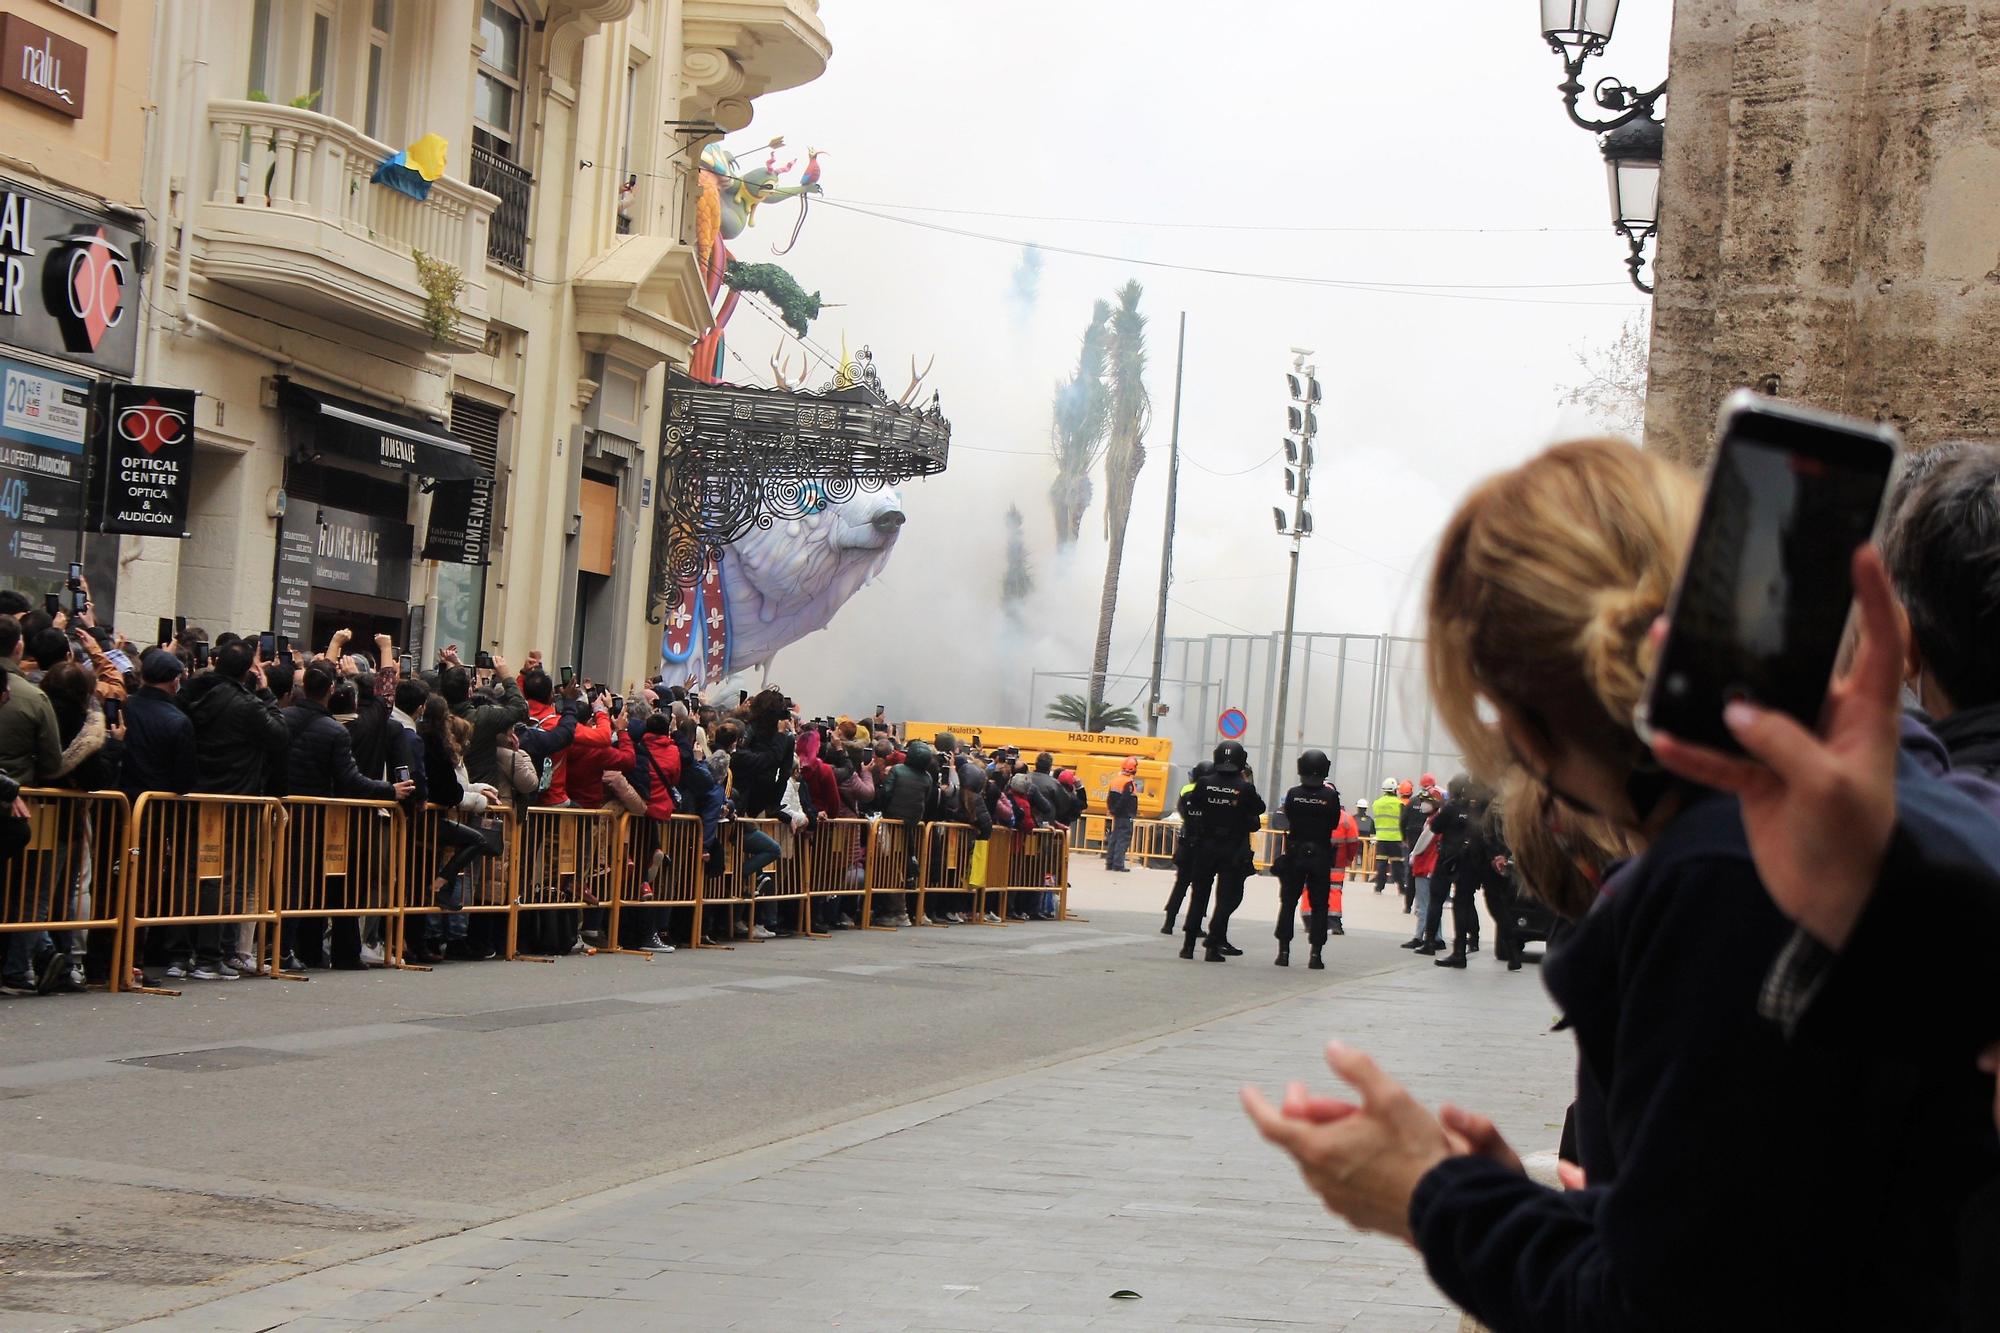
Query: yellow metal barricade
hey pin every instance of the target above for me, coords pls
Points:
(946, 869)
(998, 873)
(200, 861)
(1266, 846)
(571, 860)
(1363, 866)
(836, 865)
(722, 885)
(488, 888)
(1089, 833)
(1041, 861)
(892, 873)
(1154, 841)
(343, 858)
(787, 880)
(663, 872)
(71, 875)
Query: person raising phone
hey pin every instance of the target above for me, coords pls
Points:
(1731, 1174)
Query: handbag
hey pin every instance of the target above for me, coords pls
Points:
(620, 792)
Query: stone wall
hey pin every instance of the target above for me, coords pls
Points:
(1831, 229)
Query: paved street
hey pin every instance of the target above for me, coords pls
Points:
(964, 1129)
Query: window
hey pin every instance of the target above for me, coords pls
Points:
(496, 103)
(80, 6)
(376, 113)
(316, 92)
(260, 49)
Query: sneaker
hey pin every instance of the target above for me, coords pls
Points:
(757, 932)
(227, 968)
(577, 946)
(371, 954)
(291, 962)
(846, 922)
(210, 972)
(17, 985)
(53, 968)
(178, 971)
(248, 966)
(75, 983)
(992, 918)
(654, 944)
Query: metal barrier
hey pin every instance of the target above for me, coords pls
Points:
(342, 860)
(1040, 861)
(663, 872)
(201, 862)
(786, 874)
(1266, 846)
(1155, 841)
(892, 870)
(570, 862)
(487, 886)
(71, 875)
(1363, 866)
(1089, 833)
(836, 865)
(946, 868)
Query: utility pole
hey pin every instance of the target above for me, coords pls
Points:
(1302, 422)
(1167, 538)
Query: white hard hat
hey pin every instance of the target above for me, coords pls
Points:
(1389, 784)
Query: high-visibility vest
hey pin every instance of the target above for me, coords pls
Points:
(1388, 817)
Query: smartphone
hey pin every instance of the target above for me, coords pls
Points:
(111, 708)
(180, 626)
(568, 676)
(201, 657)
(267, 646)
(483, 661)
(166, 628)
(284, 646)
(617, 705)
(1764, 598)
(52, 603)
(402, 772)
(77, 600)
(408, 663)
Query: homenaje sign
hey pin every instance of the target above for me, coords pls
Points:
(145, 461)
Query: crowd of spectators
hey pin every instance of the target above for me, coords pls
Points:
(82, 708)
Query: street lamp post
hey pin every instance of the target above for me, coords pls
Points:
(1632, 137)
(1303, 421)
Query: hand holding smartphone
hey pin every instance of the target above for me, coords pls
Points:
(1764, 598)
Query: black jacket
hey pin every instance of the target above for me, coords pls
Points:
(320, 761)
(1312, 812)
(159, 746)
(1972, 737)
(758, 771)
(442, 786)
(1737, 1181)
(1222, 811)
(237, 733)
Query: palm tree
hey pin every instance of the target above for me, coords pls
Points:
(1019, 579)
(1082, 409)
(1129, 413)
(1081, 714)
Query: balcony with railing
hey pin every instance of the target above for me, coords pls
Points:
(735, 50)
(289, 212)
(507, 234)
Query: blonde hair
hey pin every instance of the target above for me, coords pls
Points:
(1547, 580)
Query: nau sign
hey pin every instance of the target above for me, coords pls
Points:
(69, 282)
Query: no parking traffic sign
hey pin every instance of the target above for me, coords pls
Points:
(1232, 724)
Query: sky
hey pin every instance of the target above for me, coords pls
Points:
(1341, 141)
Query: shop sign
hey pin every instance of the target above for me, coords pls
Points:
(41, 66)
(323, 547)
(461, 519)
(69, 281)
(44, 424)
(147, 461)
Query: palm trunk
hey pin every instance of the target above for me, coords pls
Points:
(1107, 609)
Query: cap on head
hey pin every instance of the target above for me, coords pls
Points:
(1067, 777)
(159, 666)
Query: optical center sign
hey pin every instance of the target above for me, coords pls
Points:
(69, 282)
(148, 456)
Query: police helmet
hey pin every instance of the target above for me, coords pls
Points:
(1314, 766)
(1232, 756)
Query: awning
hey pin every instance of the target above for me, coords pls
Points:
(347, 429)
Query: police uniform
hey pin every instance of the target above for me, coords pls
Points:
(1221, 813)
(1312, 812)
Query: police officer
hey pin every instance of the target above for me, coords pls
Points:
(1312, 812)
(1183, 876)
(1221, 813)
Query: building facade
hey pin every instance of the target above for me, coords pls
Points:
(73, 249)
(1831, 216)
(435, 416)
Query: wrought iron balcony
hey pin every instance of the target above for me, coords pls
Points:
(289, 212)
(507, 234)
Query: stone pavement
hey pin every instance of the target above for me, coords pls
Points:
(1017, 1204)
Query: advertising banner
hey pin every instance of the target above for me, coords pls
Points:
(146, 461)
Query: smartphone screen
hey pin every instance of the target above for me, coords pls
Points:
(111, 707)
(1763, 600)
(284, 645)
(267, 645)
(166, 630)
(568, 676)
(407, 663)
(201, 657)
(483, 661)
(52, 603)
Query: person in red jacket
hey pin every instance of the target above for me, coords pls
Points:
(599, 748)
(656, 770)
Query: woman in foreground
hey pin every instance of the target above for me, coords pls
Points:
(1729, 1178)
